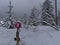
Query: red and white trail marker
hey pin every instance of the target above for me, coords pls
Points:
(18, 25)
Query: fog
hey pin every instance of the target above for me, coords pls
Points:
(20, 6)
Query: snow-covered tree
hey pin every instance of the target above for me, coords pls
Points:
(47, 9)
(9, 22)
(58, 18)
(24, 19)
(33, 17)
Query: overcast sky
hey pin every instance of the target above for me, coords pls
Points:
(20, 6)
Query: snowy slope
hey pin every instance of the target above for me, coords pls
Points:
(44, 35)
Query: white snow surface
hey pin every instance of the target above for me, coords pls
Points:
(43, 35)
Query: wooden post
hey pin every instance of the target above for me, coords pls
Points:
(17, 37)
(17, 25)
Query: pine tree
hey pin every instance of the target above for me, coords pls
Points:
(33, 17)
(47, 9)
(10, 18)
(25, 19)
(58, 18)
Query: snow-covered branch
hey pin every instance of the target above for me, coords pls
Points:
(52, 20)
(51, 25)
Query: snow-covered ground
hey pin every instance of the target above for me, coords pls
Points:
(41, 35)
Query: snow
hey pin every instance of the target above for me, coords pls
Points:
(43, 35)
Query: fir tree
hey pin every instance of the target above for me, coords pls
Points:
(10, 18)
(25, 19)
(33, 17)
(47, 9)
(58, 18)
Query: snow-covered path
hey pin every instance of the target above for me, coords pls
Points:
(45, 35)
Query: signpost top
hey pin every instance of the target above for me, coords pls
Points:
(18, 25)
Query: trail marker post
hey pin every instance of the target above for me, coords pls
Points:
(17, 25)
